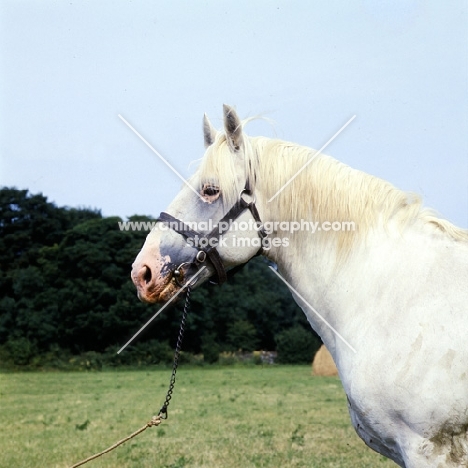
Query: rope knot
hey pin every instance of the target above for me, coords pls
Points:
(155, 421)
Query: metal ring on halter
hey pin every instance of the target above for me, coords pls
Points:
(201, 256)
(247, 191)
(176, 273)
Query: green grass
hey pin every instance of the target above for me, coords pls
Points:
(232, 417)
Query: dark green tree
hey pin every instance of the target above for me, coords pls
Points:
(297, 345)
(28, 223)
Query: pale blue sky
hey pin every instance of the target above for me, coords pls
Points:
(68, 68)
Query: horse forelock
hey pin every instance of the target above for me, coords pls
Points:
(229, 171)
(326, 190)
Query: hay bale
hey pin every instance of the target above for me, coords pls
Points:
(323, 364)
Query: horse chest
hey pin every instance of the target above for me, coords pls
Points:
(374, 434)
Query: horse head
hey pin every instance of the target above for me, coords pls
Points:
(211, 226)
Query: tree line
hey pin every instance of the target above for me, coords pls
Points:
(65, 292)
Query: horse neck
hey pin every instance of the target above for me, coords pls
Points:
(342, 290)
(310, 267)
(392, 233)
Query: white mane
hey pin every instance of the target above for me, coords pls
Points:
(327, 190)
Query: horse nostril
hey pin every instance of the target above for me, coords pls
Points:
(147, 274)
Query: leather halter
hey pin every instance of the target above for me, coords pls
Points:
(210, 252)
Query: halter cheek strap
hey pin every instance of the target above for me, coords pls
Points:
(222, 227)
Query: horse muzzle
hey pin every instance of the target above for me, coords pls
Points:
(158, 284)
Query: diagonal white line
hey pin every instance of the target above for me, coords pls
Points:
(312, 309)
(160, 156)
(312, 158)
(160, 310)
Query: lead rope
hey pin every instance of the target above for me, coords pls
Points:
(163, 411)
(155, 420)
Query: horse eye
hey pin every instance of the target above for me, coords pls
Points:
(210, 191)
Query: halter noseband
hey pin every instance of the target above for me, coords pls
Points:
(210, 252)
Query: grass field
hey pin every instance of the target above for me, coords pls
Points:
(219, 417)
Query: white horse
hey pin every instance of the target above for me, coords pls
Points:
(389, 298)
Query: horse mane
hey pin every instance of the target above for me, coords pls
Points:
(326, 190)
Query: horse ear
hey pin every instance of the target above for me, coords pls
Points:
(209, 132)
(233, 128)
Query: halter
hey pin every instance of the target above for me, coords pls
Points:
(210, 252)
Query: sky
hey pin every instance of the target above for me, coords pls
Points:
(69, 68)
